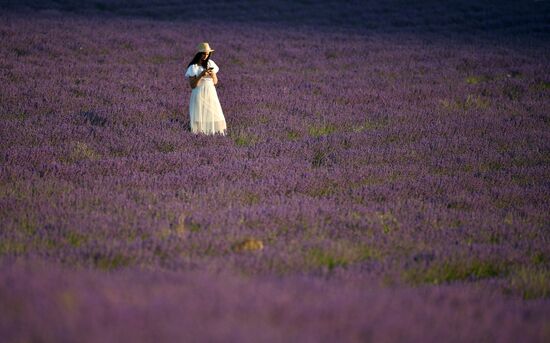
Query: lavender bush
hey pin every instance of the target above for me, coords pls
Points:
(385, 176)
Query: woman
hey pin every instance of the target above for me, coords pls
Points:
(205, 111)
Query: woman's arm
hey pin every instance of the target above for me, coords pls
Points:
(214, 77)
(193, 80)
(213, 71)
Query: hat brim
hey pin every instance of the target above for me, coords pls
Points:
(206, 50)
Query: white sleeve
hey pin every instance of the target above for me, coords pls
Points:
(211, 64)
(191, 71)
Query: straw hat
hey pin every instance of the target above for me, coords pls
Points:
(204, 47)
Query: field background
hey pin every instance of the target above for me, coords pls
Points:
(385, 176)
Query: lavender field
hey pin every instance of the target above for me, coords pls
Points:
(385, 177)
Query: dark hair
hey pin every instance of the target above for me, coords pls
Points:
(197, 60)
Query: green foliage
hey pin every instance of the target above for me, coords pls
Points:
(118, 151)
(538, 258)
(27, 225)
(292, 135)
(192, 226)
(248, 244)
(80, 151)
(388, 221)
(471, 102)
(340, 254)
(490, 166)
(508, 202)
(78, 93)
(450, 271)
(75, 239)
(19, 116)
(330, 54)
(542, 85)
(166, 147)
(495, 238)
(459, 205)
(113, 262)
(250, 198)
(531, 282)
(321, 130)
(326, 259)
(327, 189)
(473, 80)
(370, 124)
(128, 46)
(513, 92)
(244, 139)
(372, 180)
(320, 157)
(523, 180)
(10, 246)
(263, 119)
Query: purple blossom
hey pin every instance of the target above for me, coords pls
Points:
(389, 163)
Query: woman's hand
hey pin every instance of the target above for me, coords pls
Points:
(208, 72)
(193, 81)
(214, 77)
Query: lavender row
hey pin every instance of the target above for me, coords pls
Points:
(404, 166)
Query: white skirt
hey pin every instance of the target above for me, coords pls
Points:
(205, 111)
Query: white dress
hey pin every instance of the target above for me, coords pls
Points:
(205, 111)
